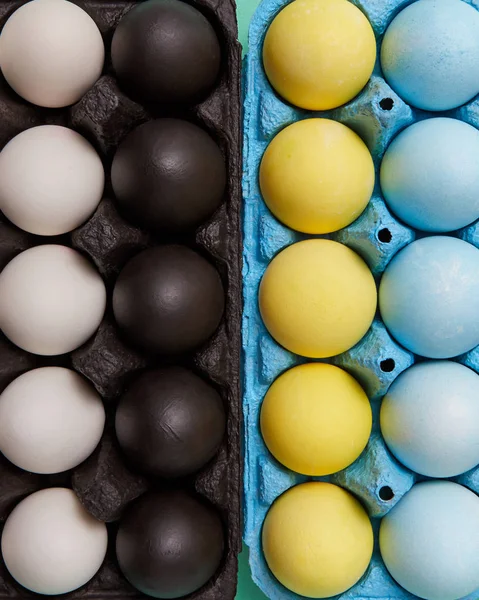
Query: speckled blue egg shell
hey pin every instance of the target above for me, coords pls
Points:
(430, 54)
(430, 418)
(429, 297)
(430, 175)
(430, 541)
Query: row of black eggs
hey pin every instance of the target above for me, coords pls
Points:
(167, 299)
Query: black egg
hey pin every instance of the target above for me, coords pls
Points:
(166, 51)
(170, 422)
(168, 299)
(168, 175)
(169, 544)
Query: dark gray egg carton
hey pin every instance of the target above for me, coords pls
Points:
(104, 483)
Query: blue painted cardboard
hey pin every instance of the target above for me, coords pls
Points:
(376, 478)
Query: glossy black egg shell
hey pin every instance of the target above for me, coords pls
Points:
(166, 51)
(170, 422)
(169, 544)
(168, 299)
(168, 175)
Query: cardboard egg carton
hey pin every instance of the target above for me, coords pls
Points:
(377, 115)
(104, 483)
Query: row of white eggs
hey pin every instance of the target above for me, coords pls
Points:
(51, 419)
(52, 299)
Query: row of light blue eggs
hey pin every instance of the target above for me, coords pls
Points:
(377, 114)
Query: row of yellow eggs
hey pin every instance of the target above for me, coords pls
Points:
(331, 421)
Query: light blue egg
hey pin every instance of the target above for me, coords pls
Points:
(430, 541)
(430, 418)
(429, 297)
(430, 54)
(430, 175)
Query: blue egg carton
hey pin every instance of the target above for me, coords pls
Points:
(376, 478)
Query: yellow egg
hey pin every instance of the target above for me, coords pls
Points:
(317, 540)
(319, 54)
(317, 298)
(316, 419)
(317, 176)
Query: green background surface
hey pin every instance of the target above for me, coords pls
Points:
(246, 588)
(245, 9)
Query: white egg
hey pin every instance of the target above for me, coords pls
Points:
(51, 420)
(51, 545)
(51, 180)
(51, 300)
(51, 52)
